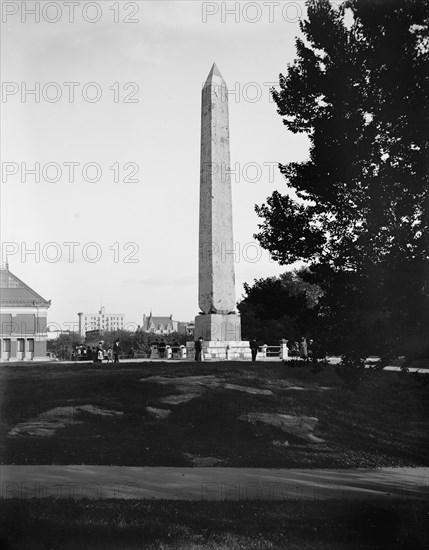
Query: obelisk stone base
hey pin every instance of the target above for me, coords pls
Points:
(215, 327)
(221, 351)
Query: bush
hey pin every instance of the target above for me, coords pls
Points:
(351, 370)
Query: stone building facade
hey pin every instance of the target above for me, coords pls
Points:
(159, 325)
(23, 317)
(100, 321)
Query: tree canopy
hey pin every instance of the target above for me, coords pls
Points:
(358, 88)
(279, 307)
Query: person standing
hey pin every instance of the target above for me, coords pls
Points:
(296, 349)
(310, 349)
(116, 351)
(175, 349)
(161, 349)
(303, 348)
(254, 348)
(198, 349)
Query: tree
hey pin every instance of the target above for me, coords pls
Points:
(360, 93)
(65, 344)
(279, 307)
(139, 340)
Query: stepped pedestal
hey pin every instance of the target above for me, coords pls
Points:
(222, 351)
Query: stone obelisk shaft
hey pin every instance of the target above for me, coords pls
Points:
(218, 324)
(216, 245)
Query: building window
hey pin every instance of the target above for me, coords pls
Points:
(6, 345)
(21, 345)
(31, 345)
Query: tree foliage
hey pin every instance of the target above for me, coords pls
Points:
(279, 307)
(358, 88)
(66, 343)
(138, 340)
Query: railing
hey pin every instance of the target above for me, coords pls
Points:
(136, 355)
(169, 353)
(174, 353)
(271, 351)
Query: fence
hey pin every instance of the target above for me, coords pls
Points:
(270, 351)
(176, 353)
(172, 353)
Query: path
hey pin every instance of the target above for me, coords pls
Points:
(331, 361)
(128, 482)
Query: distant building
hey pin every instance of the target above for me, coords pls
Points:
(186, 328)
(53, 333)
(159, 325)
(23, 315)
(101, 321)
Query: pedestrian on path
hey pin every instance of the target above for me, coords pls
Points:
(161, 349)
(303, 353)
(311, 347)
(198, 349)
(116, 351)
(254, 348)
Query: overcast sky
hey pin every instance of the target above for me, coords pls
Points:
(149, 119)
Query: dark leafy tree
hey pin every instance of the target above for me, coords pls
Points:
(65, 344)
(279, 307)
(138, 340)
(358, 88)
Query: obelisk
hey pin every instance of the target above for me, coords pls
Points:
(218, 322)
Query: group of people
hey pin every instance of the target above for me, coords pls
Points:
(162, 347)
(110, 354)
(97, 354)
(302, 349)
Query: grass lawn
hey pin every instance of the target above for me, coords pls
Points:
(187, 414)
(166, 525)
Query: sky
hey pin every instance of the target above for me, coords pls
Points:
(109, 214)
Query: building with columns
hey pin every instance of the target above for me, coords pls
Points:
(23, 315)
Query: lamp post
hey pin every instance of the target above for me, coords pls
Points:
(36, 328)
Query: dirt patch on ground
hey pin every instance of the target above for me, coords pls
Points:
(298, 426)
(186, 382)
(161, 414)
(247, 389)
(286, 385)
(179, 399)
(203, 461)
(47, 423)
(278, 443)
(309, 388)
(193, 386)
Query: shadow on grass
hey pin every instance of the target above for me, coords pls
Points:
(383, 422)
(108, 525)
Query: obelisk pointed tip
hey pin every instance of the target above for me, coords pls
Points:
(214, 71)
